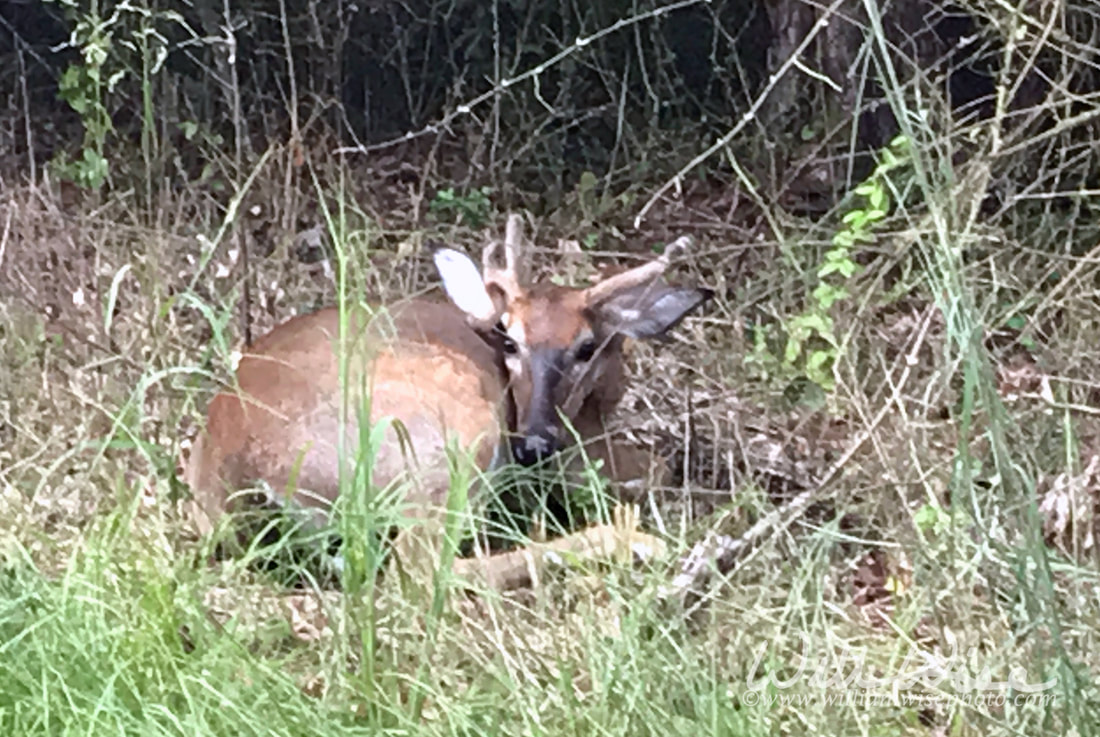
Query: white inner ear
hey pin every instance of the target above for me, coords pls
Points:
(463, 284)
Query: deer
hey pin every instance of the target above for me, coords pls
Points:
(499, 366)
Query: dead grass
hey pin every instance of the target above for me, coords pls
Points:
(897, 555)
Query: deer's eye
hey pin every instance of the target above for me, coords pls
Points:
(506, 343)
(585, 350)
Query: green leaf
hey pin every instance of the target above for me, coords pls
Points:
(820, 324)
(928, 518)
(92, 169)
(832, 296)
(818, 360)
(839, 294)
(878, 199)
(793, 350)
(115, 78)
(847, 268)
(587, 183)
(844, 238)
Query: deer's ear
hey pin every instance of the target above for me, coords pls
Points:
(464, 285)
(649, 310)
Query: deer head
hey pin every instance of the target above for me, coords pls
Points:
(562, 346)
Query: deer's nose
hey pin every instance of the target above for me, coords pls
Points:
(531, 449)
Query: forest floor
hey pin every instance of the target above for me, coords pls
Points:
(936, 574)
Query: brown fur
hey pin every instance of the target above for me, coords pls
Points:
(554, 316)
(422, 364)
(551, 315)
(419, 363)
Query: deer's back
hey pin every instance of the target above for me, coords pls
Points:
(418, 363)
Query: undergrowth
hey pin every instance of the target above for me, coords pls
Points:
(937, 574)
(113, 621)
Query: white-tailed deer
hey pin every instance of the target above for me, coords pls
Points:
(563, 346)
(492, 368)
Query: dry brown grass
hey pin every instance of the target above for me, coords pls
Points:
(98, 407)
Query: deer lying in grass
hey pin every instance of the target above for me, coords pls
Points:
(491, 369)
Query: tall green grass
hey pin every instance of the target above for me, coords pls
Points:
(122, 643)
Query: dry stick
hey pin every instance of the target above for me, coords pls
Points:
(29, 132)
(1060, 126)
(791, 61)
(236, 236)
(6, 234)
(723, 552)
(519, 568)
(294, 146)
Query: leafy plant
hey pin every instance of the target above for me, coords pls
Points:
(123, 48)
(470, 209)
(812, 346)
(84, 87)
